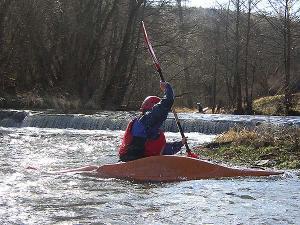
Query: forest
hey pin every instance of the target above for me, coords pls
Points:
(90, 54)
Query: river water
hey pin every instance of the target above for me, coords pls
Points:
(37, 197)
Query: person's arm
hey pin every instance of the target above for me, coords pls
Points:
(168, 99)
(172, 148)
(160, 111)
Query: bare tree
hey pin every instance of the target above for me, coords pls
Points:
(184, 54)
(248, 96)
(237, 77)
(120, 78)
(6, 51)
(286, 11)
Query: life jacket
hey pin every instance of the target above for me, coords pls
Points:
(152, 146)
(155, 147)
(127, 138)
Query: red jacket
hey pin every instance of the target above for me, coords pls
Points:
(152, 147)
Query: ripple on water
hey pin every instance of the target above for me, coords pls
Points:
(36, 197)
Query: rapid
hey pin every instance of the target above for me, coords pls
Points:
(37, 197)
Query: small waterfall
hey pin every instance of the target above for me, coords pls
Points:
(204, 126)
(76, 121)
(201, 123)
(12, 118)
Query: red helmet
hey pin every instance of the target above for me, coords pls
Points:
(149, 102)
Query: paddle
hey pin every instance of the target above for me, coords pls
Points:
(162, 79)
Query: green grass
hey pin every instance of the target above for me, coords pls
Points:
(268, 146)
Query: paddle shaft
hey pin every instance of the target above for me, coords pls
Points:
(180, 130)
(162, 79)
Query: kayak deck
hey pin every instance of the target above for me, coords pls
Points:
(167, 169)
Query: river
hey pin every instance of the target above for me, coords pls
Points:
(36, 197)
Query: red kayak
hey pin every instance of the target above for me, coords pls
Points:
(167, 169)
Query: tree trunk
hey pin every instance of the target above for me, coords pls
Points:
(120, 79)
(248, 99)
(228, 73)
(183, 56)
(237, 83)
(216, 61)
(287, 58)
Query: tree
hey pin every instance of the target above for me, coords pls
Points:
(120, 78)
(286, 11)
(248, 96)
(6, 51)
(92, 51)
(183, 55)
(237, 77)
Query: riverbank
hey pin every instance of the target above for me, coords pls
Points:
(57, 100)
(61, 101)
(274, 105)
(266, 146)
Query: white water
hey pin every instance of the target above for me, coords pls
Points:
(34, 197)
(191, 122)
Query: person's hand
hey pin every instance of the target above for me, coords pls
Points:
(163, 86)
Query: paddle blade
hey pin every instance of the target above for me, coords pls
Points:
(192, 155)
(150, 48)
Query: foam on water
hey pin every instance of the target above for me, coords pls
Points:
(35, 197)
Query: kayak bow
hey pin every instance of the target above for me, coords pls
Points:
(167, 169)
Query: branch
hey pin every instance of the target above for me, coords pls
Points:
(182, 94)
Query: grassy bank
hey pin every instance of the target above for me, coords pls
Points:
(274, 105)
(263, 147)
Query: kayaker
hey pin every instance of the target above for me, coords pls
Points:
(143, 136)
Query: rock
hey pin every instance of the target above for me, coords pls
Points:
(265, 162)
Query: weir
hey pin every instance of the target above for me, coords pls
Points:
(191, 122)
